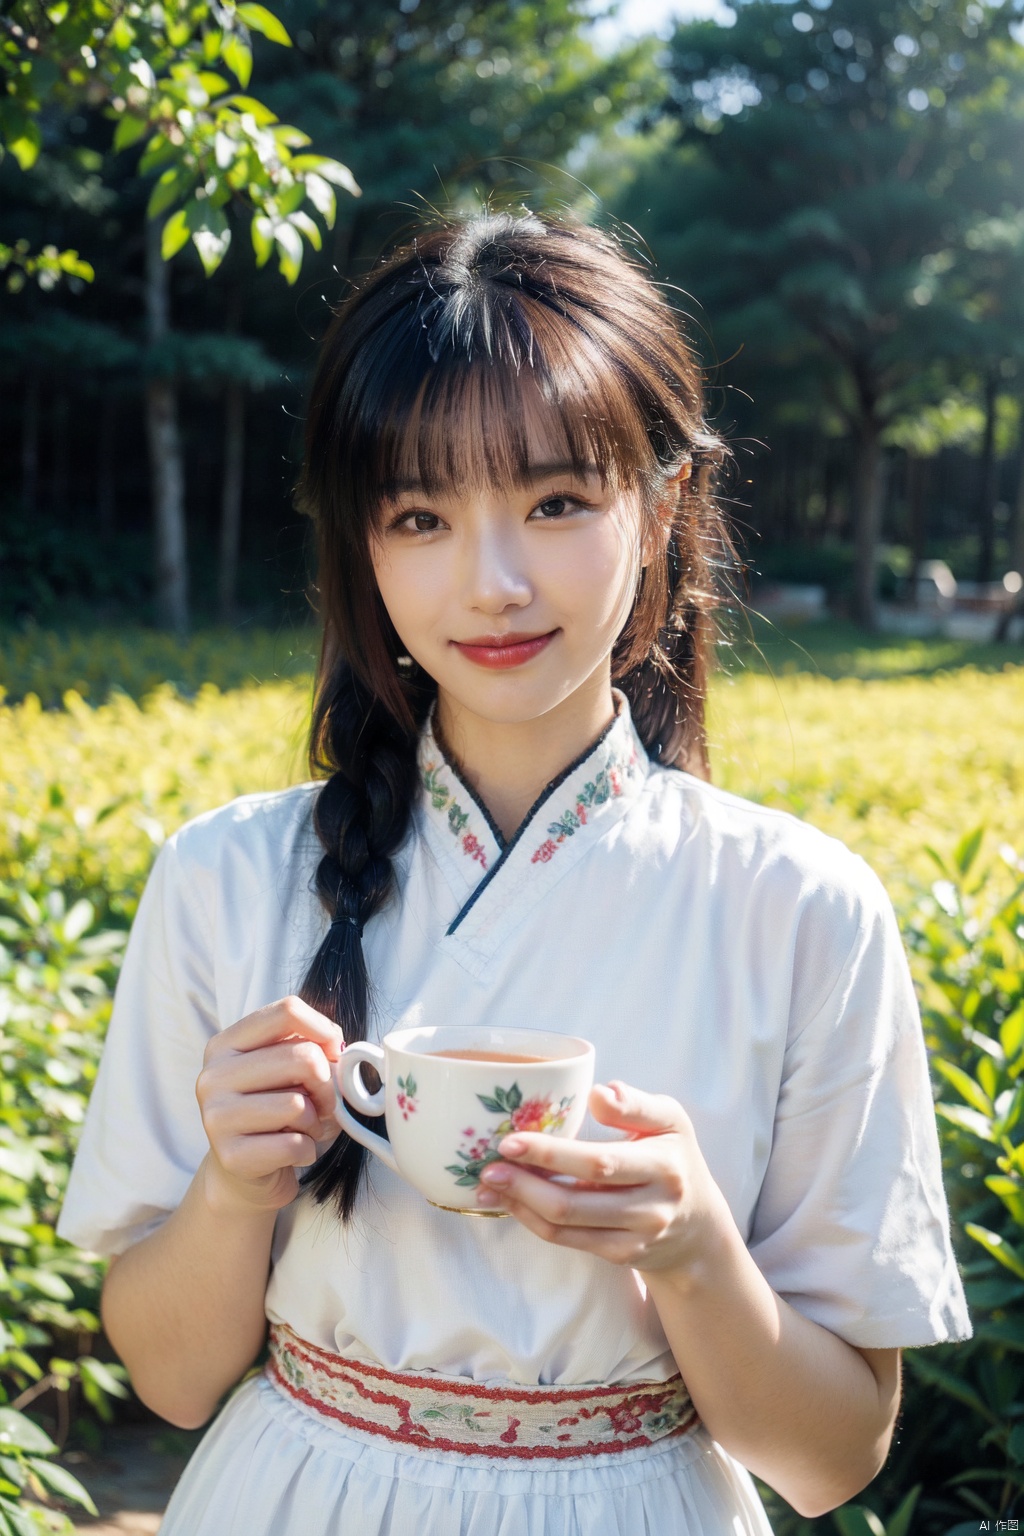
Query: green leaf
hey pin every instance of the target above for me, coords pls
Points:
(965, 1086)
(514, 1097)
(998, 1247)
(25, 143)
(321, 195)
(262, 231)
(1011, 1033)
(175, 234)
(305, 225)
(20, 1434)
(1010, 1192)
(102, 1376)
(968, 1119)
(211, 237)
(44, 1283)
(261, 20)
(78, 920)
(172, 185)
(238, 58)
(1007, 1332)
(19, 1521)
(966, 850)
(248, 104)
(492, 1105)
(951, 1384)
(1015, 1444)
(63, 1484)
(330, 170)
(857, 1520)
(898, 1523)
(128, 131)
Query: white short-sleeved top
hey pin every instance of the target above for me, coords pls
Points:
(728, 955)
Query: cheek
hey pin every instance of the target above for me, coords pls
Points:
(409, 590)
(598, 578)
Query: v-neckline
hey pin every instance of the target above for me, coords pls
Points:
(494, 879)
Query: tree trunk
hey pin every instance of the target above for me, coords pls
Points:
(105, 479)
(1016, 548)
(165, 457)
(917, 493)
(985, 516)
(231, 498)
(30, 443)
(867, 517)
(1017, 529)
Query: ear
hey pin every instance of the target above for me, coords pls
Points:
(666, 510)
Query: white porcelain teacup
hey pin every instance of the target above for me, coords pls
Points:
(449, 1093)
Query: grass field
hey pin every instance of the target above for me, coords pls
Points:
(917, 743)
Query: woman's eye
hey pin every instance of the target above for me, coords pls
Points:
(555, 506)
(421, 522)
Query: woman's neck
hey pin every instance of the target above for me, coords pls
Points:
(509, 764)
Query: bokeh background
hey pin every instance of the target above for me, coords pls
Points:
(832, 192)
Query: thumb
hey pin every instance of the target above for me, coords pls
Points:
(630, 1109)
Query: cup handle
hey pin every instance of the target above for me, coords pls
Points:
(349, 1085)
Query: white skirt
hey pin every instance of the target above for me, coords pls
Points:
(268, 1467)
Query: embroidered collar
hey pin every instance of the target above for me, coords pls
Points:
(571, 813)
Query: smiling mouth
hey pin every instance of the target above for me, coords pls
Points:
(499, 651)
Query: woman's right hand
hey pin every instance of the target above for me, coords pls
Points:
(266, 1095)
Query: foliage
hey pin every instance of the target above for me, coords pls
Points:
(967, 948)
(133, 660)
(154, 69)
(56, 976)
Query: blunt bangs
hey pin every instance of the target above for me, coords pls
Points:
(440, 406)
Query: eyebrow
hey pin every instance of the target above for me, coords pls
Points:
(534, 473)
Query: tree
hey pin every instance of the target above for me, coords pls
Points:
(832, 174)
(210, 147)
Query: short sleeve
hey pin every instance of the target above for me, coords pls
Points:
(851, 1225)
(143, 1137)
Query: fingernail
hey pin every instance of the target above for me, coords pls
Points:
(496, 1174)
(485, 1197)
(512, 1147)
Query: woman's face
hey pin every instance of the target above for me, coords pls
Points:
(512, 599)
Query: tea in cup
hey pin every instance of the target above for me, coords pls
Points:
(450, 1093)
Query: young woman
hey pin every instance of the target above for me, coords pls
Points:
(510, 474)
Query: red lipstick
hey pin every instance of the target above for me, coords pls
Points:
(500, 651)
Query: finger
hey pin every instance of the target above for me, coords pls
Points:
(630, 1109)
(617, 1247)
(289, 1016)
(565, 1204)
(595, 1162)
(252, 1114)
(254, 1157)
(290, 1064)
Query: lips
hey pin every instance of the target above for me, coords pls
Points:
(501, 651)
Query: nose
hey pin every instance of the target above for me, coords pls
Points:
(495, 575)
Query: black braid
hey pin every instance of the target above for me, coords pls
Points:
(361, 817)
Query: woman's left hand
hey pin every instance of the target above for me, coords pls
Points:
(649, 1201)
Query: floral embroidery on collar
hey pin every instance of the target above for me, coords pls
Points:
(605, 785)
(442, 799)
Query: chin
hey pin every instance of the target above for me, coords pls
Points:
(506, 701)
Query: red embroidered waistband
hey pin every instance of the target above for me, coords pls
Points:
(447, 1413)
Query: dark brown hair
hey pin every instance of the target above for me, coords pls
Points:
(424, 370)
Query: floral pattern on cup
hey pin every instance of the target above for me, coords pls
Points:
(407, 1096)
(517, 1114)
